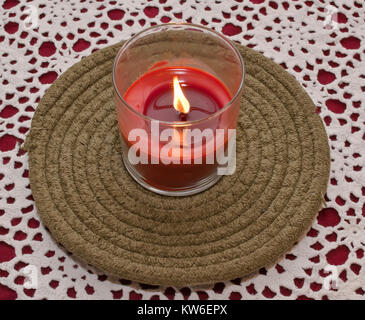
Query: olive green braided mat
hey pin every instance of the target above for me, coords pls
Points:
(246, 221)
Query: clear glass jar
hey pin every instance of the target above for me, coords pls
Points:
(207, 64)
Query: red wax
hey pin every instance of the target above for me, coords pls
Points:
(152, 95)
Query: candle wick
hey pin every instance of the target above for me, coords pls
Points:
(182, 116)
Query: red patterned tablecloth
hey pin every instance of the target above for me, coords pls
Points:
(321, 43)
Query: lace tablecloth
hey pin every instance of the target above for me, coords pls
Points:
(321, 43)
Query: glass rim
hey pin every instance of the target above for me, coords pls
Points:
(181, 123)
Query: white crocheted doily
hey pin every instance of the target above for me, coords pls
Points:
(321, 43)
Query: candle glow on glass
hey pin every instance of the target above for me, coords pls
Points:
(182, 105)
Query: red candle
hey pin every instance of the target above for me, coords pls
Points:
(153, 95)
(177, 91)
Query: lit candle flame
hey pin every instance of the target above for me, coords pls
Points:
(181, 104)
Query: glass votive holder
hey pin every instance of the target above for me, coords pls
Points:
(178, 92)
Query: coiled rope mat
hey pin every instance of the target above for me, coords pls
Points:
(246, 221)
